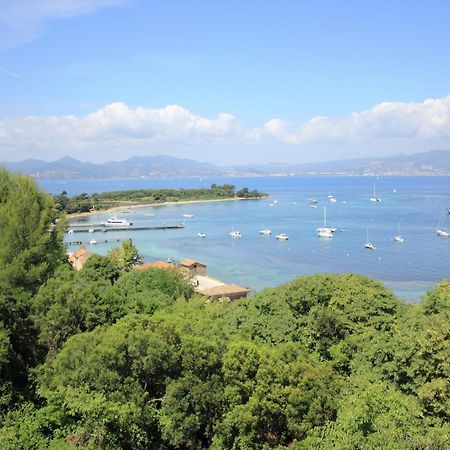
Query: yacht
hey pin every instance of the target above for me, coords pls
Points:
(114, 221)
(235, 234)
(398, 237)
(201, 235)
(92, 242)
(325, 232)
(375, 198)
(282, 237)
(265, 232)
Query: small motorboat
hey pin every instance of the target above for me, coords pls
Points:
(282, 237)
(92, 242)
(201, 235)
(265, 232)
(235, 234)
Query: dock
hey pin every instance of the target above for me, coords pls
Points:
(97, 229)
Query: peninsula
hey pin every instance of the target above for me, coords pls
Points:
(85, 203)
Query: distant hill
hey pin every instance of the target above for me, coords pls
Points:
(435, 162)
(158, 166)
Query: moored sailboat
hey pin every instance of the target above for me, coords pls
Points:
(369, 244)
(325, 232)
(398, 237)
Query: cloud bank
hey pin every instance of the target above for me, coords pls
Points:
(429, 119)
(118, 130)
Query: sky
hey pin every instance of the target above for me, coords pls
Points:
(223, 81)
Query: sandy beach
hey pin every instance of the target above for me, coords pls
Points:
(127, 208)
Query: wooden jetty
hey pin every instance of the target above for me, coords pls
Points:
(86, 225)
(104, 229)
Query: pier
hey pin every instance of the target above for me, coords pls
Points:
(96, 228)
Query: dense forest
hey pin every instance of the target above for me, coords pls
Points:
(114, 358)
(85, 202)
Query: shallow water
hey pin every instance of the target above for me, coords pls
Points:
(260, 261)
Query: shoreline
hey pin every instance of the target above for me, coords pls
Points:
(114, 209)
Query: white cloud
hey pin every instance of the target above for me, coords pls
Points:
(429, 119)
(24, 20)
(118, 131)
(117, 125)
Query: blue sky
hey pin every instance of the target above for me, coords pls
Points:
(223, 81)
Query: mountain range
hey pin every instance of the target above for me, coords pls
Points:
(434, 162)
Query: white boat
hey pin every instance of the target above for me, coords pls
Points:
(91, 230)
(369, 244)
(325, 232)
(114, 221)
(188, 216)
(333, 200)
(282, 237)
(313, 205)
(375, 198)
(398, 237)
(440, 229)
(235, 234)
(92, 242)
(70, 231)
(265, 232)
(312, 201)
(201, 235)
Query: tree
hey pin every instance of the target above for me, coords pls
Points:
(126, 256)
(31, 246)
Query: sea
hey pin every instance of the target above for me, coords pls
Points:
(414, 206)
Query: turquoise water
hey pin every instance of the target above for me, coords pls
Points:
(258, 261)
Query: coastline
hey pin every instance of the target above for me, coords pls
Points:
(127, 208)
